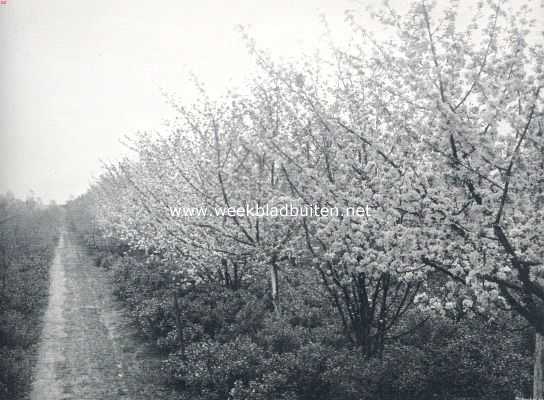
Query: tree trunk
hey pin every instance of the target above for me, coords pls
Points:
(274, 286)
(179, 326)
(538, 377)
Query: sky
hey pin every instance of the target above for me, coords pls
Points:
(77, 76)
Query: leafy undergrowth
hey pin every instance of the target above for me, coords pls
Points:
(236, 347)
(27, 241)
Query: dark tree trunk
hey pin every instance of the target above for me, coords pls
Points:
(179, 325)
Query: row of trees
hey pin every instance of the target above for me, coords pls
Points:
(438, 131)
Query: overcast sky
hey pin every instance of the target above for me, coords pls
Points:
(76, 76)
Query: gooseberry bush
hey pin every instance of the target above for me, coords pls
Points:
(29, 232)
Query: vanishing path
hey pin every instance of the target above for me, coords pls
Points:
(88, 350)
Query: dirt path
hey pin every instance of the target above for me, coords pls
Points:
(88, 349)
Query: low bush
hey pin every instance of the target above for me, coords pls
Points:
(236, 347)
(28, 237)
